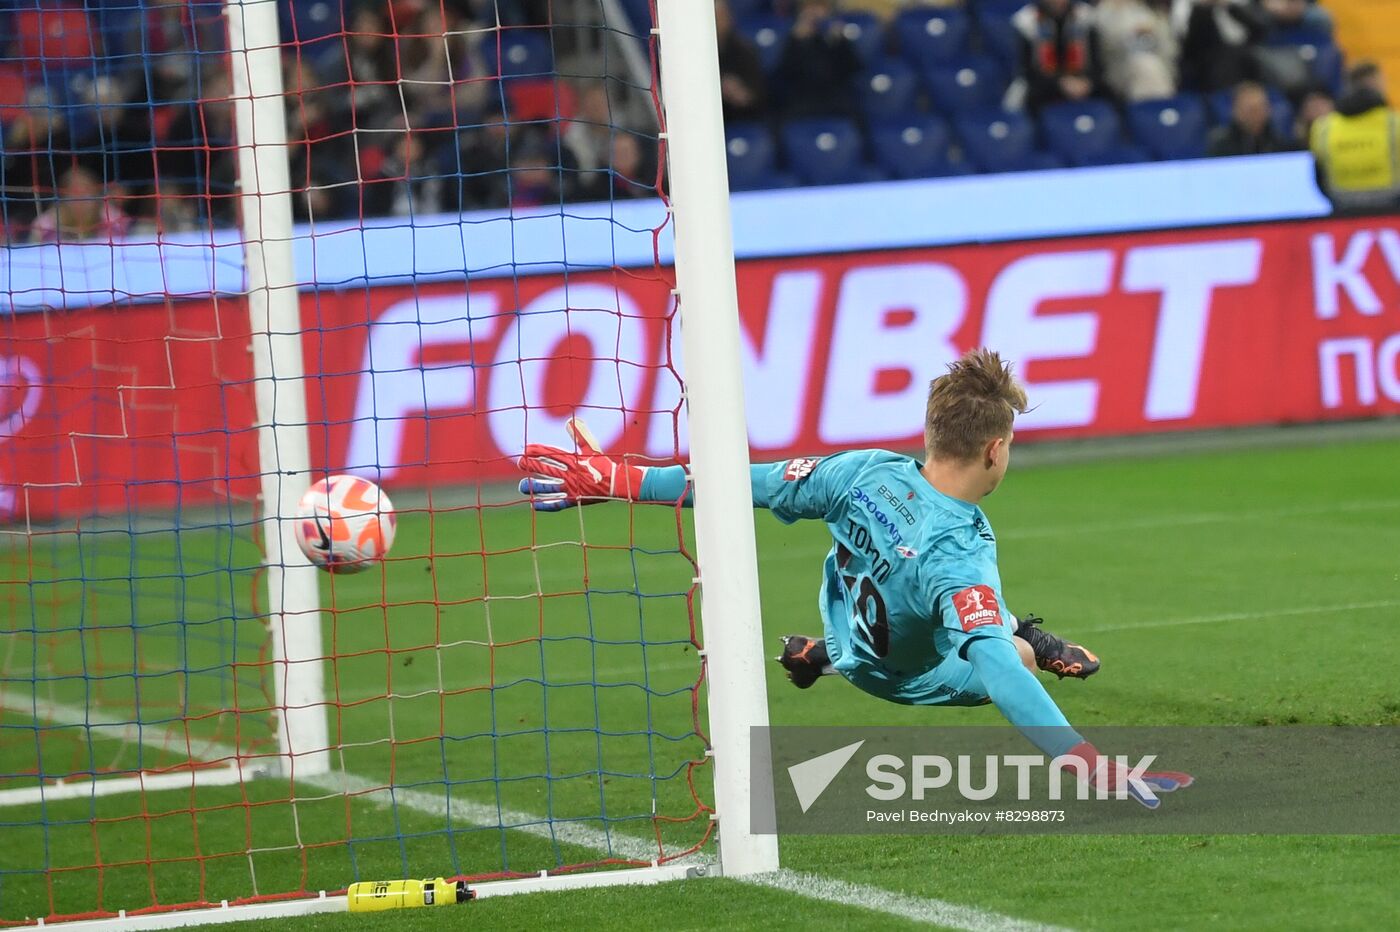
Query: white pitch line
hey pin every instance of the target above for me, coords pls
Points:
(158, 736)
(877, 899)
(1246, 616)
(481, 815)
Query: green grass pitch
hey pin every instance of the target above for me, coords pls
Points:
(1248, 587)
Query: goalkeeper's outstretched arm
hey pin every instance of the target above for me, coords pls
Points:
(562, 479)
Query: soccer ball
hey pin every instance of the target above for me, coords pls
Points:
(345, 524)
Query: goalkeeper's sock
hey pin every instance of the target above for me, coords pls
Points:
(1054, 654)
(805, 659)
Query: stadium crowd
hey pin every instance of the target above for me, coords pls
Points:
(118, 118)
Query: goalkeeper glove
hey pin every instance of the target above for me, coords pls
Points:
(1104, 772)
(560, 479)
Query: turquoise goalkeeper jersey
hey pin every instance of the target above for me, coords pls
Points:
(911, 598)
(911, 578)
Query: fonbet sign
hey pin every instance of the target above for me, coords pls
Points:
(1135, 334)
(444, 383)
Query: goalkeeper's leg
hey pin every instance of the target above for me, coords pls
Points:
(805, 659)
(1053, 654)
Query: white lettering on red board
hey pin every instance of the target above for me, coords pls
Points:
(894, 328)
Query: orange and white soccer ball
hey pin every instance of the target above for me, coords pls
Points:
(345, 524)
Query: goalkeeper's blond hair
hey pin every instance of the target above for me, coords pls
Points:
(973, 404)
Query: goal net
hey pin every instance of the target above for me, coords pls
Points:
(254, 245)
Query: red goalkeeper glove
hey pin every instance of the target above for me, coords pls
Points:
(560, 479)
(1142, 786)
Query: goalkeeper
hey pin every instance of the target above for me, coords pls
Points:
(911, 598)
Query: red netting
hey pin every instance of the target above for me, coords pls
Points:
(478, 248)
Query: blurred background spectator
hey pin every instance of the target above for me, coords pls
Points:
(1316, 103)
(1219, 38)
(1059, 53)
(818, 66)
(199, 153)
(742, 84)
(86, 209)
(1139, 48)
(1357, 147)
(37, 142)
(1251, 127)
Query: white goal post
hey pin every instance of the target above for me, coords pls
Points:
(719, 458)
(274, 316)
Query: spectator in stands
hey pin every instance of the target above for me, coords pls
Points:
(1286, 65)
(85, 210)
(369, 70)
(1357, 148)
(535, 179)
(118, 146)
(1251, 128)
(38, 149)
(172, 35)
(440, 59)
(1316, 103)
(1059, 51)
(742, 85)
(405, 182)
(631, 172)
(588, 133)
(486, 152)
(1139, 48)
(198, 150)
(175, 212)
(320, 143)
(1219, 38)
(818, 65)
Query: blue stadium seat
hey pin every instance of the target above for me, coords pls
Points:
(915, 147)
(1221, 103)
(1170, 129)
(966, 85)
(929, 34)
(863, 31)
(1087, 132)
(313, 19)
(888, 89)
(520, 52)
(825, 151)
(742, 9)
(769, 35)
(1002, 142)
(1006, 8)
(999, 38)
(752, 154)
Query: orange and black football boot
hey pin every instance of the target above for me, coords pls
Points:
(1056, 655)
(804, 659)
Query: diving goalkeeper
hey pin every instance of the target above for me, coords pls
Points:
(911, 598)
